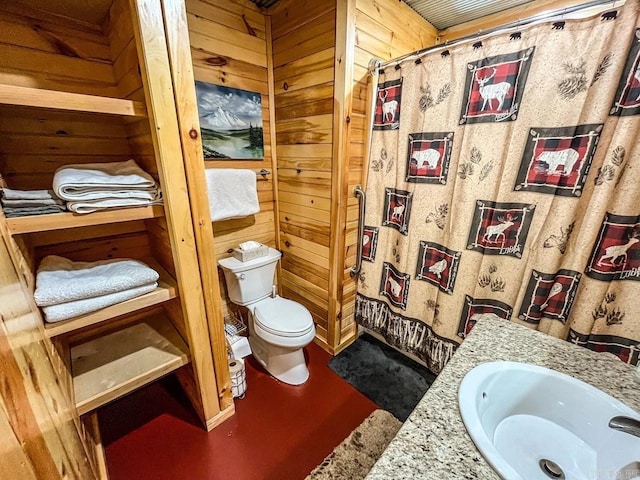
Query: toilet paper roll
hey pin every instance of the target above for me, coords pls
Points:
(238, 377)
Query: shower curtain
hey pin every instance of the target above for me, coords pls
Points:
(504, 182)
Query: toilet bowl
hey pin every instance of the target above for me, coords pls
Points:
(279, 328)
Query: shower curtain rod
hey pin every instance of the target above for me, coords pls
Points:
(542, 17)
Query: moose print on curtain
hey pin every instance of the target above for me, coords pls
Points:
(504, 183)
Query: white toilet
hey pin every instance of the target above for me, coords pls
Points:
(278, 328)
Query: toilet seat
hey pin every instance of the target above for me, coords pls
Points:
(282, 318)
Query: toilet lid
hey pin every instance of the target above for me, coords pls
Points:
(283, 317)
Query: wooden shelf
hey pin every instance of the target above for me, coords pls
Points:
(77, 102)
(59, 221)
(166, 290)
(112, 365)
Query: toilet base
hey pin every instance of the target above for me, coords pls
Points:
(285, 364)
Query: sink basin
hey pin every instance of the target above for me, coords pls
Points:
(532, 423)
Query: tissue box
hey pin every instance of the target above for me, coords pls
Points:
(246, 255)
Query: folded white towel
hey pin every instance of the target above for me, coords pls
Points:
(59, 280)
(64, 311)
(109, 203)
(99, 180)
(232, 193)
(12, 194)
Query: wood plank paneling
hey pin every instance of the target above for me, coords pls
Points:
(37, 52)
(303, 55)
(229, 47)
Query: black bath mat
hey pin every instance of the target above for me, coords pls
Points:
(391, 380)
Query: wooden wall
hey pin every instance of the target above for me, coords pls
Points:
(303, 63)
(229, 46)
(37, 51)
(55, 53)
(384, 29)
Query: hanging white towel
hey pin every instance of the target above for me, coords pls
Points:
(95, 181)
(59, 280)
(232, 193)
(64, 311)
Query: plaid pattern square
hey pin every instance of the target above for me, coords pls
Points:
(616, 253)
(627, 98)
(549, 295)
(628, 350)
(397, 209)
(386, 115)
(428, 157)
(438, 265)
(394, 285)
(557, 160)
(475, 309)
(500, 228)
(494, 87)
(369, 243)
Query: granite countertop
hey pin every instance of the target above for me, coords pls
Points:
(433, 443)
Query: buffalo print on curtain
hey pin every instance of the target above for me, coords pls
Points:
(510, 192)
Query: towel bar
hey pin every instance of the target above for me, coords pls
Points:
(264, 172)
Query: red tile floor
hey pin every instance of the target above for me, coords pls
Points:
(279, 432)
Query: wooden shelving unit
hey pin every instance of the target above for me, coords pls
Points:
(73, 91)
(109, 366)
(167, 290)
(76, 102)
(59, 221)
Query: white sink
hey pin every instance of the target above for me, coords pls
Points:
(530, 422)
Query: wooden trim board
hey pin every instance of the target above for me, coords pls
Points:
(60, 221)
(175, 18)
(343, 93)
(77, 102)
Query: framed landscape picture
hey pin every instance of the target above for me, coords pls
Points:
(230, 122)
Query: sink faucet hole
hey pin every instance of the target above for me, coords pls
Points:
(484, 395)
(551, 469)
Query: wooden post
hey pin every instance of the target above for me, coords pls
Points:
(342, 98)
(272, 137)
(177, 31)
(156, 77)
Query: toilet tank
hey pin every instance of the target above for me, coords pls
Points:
(248, 282)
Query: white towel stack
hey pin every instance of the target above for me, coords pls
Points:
(98, 186)
(232, 193)
(66, 289)
(20, 203)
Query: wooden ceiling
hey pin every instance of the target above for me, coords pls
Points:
(89, 11)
